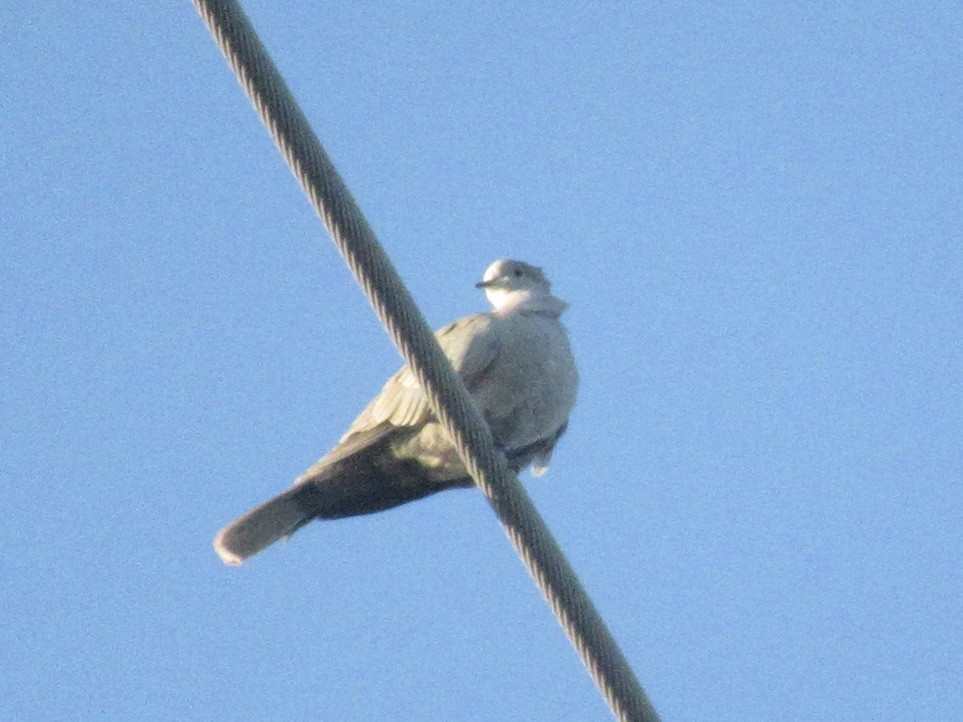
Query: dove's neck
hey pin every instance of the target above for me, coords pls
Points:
(505, 302)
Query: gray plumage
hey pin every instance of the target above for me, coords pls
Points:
(517, 365)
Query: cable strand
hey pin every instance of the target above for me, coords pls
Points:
(446, 392)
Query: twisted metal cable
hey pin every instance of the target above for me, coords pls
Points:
(446, 392)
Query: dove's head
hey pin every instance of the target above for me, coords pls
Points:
(518, 286)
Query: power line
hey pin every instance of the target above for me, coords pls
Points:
(447, 394)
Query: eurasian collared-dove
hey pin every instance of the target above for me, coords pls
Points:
(516, 363)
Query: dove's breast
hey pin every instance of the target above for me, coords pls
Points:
(530, 390)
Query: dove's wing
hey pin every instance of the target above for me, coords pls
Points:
(472, 344)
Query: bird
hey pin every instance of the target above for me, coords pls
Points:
(517, 364)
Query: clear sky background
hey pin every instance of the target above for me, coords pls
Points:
(755, 211)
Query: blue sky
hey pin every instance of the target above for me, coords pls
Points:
(755, 212)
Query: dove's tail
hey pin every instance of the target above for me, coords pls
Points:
(262, 526)
(362, 483)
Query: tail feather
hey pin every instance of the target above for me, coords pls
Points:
(262, 526)
(364, 482)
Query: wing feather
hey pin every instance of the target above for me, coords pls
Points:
(471, 344)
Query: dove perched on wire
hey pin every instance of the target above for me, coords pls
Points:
(518, 367)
